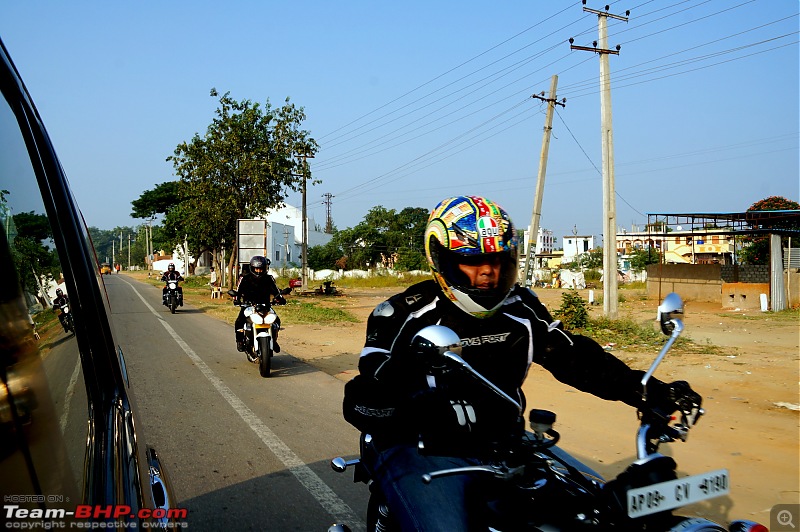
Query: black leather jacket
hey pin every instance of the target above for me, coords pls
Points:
(397, 397)
(171, 276)
(60, 301)
(257, 289)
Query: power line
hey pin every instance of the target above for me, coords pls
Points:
(419, 127)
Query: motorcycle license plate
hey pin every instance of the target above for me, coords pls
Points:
(679, 492)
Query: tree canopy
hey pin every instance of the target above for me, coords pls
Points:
(756, 248)
(32, 249)
(250, 157)
(384, 237)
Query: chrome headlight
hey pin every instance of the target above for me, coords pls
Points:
(173, 285)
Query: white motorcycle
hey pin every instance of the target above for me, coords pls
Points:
(259, 330)
(66, 317)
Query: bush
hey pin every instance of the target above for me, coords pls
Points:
(573, 312)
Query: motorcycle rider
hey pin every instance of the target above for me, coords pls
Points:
(257, 286)
(172, 275)
(404, 403)
(61, 300)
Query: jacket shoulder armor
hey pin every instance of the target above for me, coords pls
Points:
(413, 298)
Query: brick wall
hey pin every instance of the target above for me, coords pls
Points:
(694, 282)
(745, 273)
(719, 283)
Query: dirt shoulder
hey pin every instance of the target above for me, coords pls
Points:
(751, 395)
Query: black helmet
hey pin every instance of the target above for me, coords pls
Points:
(59, 292)
(258, 265)
(171, 267)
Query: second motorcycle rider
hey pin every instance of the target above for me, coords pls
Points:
(257, 286)
(407, 405)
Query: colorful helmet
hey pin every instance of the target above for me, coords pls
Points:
(465, 229)
(258, 265)
(171, 267)
(59, 292)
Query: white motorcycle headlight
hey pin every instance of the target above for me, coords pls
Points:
(270, 319)
(173, 286)
(249, 311)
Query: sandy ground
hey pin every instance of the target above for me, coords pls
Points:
(751, 397)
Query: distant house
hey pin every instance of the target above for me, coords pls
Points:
(545, 245)
(709, 246)
(285, 237)
(576, 245)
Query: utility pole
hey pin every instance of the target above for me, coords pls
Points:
(285, 247)
(328, 221)
(610, 304)
(537, 198)
(304, 248)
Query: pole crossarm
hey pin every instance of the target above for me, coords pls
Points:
(591, 49)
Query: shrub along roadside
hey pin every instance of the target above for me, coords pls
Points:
(624, 333)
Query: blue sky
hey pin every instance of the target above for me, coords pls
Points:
(416, 101)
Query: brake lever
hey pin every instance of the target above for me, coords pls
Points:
(497, 471)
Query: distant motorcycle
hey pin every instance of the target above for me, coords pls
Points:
(259, 331)
(172, 296)
(537, 486)
(66, 318)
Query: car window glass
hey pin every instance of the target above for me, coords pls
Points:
(43, 401)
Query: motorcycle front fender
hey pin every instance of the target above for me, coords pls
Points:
(261, 332)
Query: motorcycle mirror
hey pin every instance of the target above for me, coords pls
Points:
(434, 341)
(671, 325)
(232, 293)
(286, 290)
(669, 311)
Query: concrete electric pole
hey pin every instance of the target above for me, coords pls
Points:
(304, 248)
(530, 243)
(610, 303)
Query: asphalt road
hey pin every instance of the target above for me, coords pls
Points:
(243, 452)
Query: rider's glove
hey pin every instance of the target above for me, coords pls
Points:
(675, 396)
(433, 411)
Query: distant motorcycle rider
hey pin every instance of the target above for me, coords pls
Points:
(172, 275)
(61, 300)
(257, 286)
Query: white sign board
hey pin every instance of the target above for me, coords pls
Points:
(251, 238)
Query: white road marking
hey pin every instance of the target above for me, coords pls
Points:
(327, 498)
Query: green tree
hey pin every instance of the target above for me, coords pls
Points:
(34, 254)
(161, 200)
(245, 164)
(640, 258)
(383, 235)
(756, 248)
(107, 244)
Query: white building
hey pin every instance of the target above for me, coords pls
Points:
(576, 245)
(545, 241)
(285, 235)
